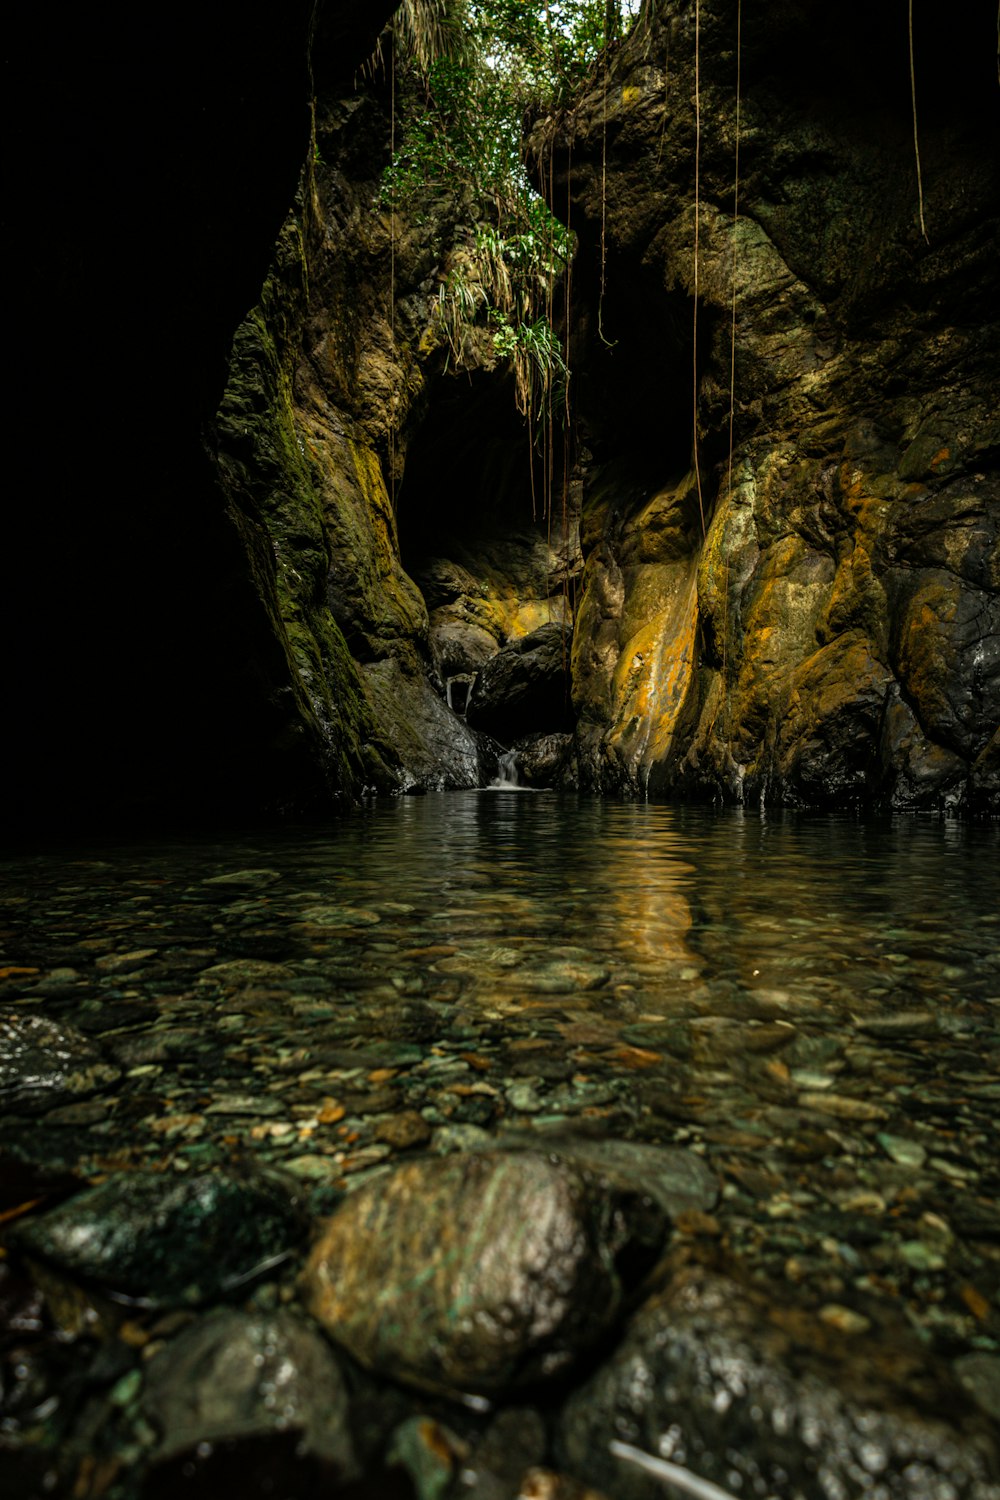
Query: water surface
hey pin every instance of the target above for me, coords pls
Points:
(810, 1002)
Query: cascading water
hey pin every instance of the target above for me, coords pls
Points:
(457, 690)
(506, 779)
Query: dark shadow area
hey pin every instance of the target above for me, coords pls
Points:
(152, 159)
(476, 470)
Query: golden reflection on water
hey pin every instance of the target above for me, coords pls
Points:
(647, 886)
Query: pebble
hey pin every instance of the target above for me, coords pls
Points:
(117, 963)
(906, 1152)
(844, 1319)
(843, 1106)
(244, 1104)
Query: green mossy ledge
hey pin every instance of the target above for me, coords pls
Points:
(332, 375)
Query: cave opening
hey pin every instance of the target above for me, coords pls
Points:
(635, 360)
(489, 530)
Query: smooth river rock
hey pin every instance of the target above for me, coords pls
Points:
(237, 1374)
(759, 1398)
(44, 1064)
(477, 1272)
(163, 1240)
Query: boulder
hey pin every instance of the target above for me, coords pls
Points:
(236, 1375)
(163, 1240)
(715, 1380)
(543, 759)
(525, 687)
(478, 1272)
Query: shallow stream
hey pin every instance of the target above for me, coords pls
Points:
(809, 1003)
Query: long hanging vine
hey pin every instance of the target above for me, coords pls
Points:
(697, 247)
(392, 271)
(732, 361)
(916, 137)
(465, 72)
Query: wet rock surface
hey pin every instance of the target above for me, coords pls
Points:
(239, 1374)
(44, 1064)
(545, 760)
(718, 1381)
(160, 1240)
(480, 1272)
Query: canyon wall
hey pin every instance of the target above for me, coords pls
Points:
(277, 506)
(810, 616)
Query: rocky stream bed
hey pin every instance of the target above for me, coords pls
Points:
(500, 1145)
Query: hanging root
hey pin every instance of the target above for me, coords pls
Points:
(697, 224)
(916, 139)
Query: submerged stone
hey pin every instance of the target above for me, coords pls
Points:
(477, 1272)
(162, 1240)
(719, 1382)
(44, 1064)
(678, 1180)
(237, 1374)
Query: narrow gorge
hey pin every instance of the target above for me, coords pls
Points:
(500, 896)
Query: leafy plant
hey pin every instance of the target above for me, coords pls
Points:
(465, 73)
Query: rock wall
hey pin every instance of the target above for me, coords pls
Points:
(254, 607)
(381, 449)
(812, 617)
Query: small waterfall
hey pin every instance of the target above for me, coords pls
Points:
(506, 780)
(508, 769)
(457, 690)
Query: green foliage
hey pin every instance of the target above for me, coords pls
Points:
(466, 74)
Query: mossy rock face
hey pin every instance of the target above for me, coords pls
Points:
(478, 1272)
(843, 519)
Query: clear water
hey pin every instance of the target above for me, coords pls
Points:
(812, 1003)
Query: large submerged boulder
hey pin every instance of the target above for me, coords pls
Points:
(719, 1383)
(479, 1272)
(164, 1241)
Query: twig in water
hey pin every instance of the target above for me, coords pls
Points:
(681, 1479)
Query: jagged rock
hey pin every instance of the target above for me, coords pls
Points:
(166, 1240)
(238, 1375)
(476, 1272)
(44, 1064)
(434, 747)
(524, 687)
(751, 1395)
(813, 615)
(544, 759)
